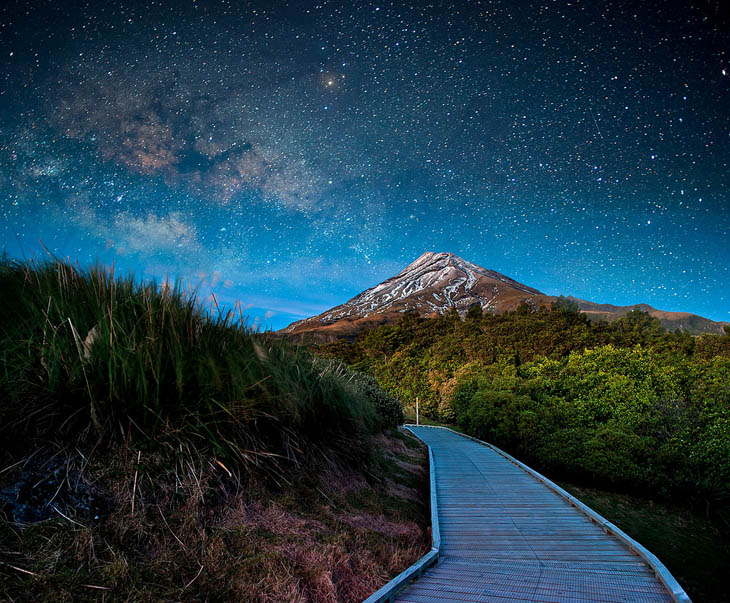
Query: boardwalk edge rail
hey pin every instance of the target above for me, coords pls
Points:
(662, 573)
(388, 592)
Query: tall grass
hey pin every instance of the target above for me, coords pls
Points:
(90, 356)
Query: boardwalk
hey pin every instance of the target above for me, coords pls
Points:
(506, 537)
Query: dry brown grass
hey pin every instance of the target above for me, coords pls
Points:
(200, 533)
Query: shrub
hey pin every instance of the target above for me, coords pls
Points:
(388, 409)
(618, 456)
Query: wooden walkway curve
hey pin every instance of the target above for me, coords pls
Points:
(506, 537)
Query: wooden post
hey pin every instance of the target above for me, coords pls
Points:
(416, 410)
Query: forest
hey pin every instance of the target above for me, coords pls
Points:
(625, 406)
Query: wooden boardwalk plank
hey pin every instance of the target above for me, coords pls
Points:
(505, 536)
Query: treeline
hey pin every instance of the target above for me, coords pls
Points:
(623, 404)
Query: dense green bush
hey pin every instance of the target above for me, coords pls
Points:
(389, 410)
(625, 417)
(625, 404)
(616, 454)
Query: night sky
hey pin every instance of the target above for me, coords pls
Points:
(290, 155)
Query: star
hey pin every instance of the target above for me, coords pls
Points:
(177, 142)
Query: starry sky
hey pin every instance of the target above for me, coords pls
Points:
(288, 155)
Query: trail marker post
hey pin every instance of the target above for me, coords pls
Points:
(416, 410)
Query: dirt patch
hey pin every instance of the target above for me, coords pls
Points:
(48, 485)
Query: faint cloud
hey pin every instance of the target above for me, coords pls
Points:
(269, 314)
(148, 234)
(295, 185)
(154, 233)
(294, 307)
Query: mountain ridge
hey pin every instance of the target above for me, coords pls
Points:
(437, 282)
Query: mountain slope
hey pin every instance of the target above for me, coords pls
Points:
(431, 285)
(437, 282)
(684, 321)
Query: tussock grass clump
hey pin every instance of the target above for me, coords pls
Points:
(88, 356)
(155, 450)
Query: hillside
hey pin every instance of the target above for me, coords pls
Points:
(671, 321)
(153, 450)
(437, 283)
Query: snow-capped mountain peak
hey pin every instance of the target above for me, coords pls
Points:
(433, 284)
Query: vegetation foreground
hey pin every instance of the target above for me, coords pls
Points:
(626, 408)
(626, 404)
(153, 450)
(156, 451)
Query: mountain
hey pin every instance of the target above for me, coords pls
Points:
(437, 282)
(684, 321)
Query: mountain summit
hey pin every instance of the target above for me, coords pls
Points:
(433, 284)
(437, 282)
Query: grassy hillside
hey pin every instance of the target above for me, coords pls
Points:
(154, 450)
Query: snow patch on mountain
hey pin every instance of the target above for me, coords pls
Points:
(434, 283)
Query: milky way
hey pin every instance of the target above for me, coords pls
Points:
(289, 155)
